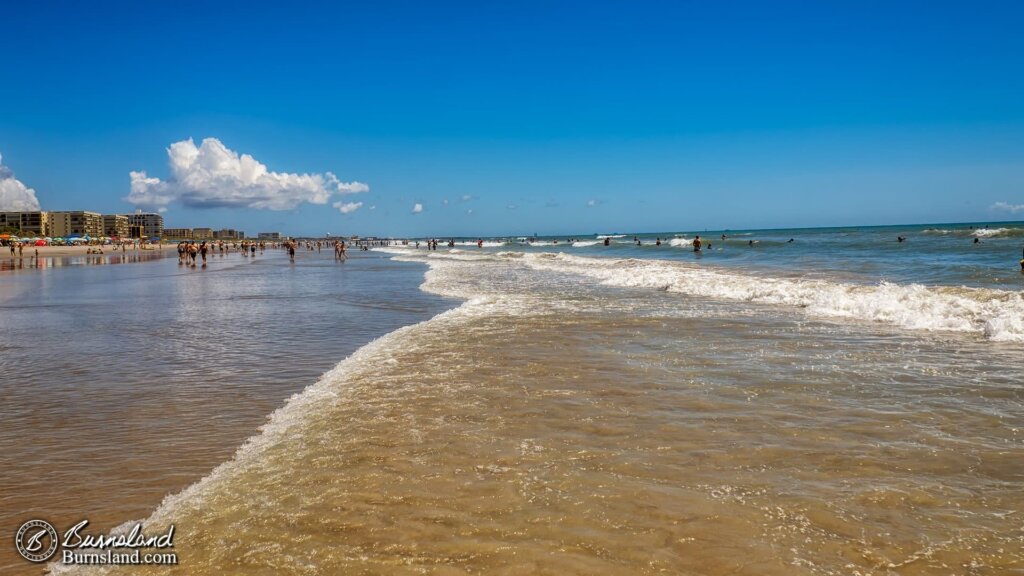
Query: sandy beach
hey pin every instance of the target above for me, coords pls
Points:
(57, 251)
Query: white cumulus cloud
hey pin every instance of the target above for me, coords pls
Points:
(348, 207)
(1007, 207)
(14, 195)
(417, 208)
(213, 175)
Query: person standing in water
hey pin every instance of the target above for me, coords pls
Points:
(696, 243)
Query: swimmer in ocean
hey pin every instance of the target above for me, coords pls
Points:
(606, 242)
(696, 243)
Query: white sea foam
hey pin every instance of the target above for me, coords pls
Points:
(603, 236)
(977, 232)
(486, 244)
(680, 242)
(585, 243)
(994, 232)
(997, 314)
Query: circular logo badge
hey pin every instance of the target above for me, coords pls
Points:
(36, 540)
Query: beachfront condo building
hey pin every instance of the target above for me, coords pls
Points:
(202, 233)
(152, 224)
(76, 223)
(116, 225)
(228, 234)
(34, 224)
(178, 233)
(270, 236)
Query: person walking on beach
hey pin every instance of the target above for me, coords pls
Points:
(291, 250)
(202, 252)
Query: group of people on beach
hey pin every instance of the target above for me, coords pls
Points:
(190, 252)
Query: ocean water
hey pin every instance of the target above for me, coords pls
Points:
(841, 404)
(123, 381)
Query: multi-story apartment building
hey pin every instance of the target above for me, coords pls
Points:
(76, 223)
(152, 224)
(30, 223)
(116, 225)
(228, 234)
(270, 236)
(202, 233)
(178, 233)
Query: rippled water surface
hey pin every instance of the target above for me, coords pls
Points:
(586, 413)
(122, 384)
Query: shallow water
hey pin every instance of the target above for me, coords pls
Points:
(578, 413)
(561, 421)
(122, 384)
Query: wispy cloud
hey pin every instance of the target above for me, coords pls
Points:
(212, 175)
(348, 207)
(1007, 207)
(444, 202)
(417, 208)
(592, 203)
(14, 195)
(511, 207)
(469, 212)
(467, 197)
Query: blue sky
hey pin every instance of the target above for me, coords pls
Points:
(548, 117)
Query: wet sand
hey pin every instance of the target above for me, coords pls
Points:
(55, 251)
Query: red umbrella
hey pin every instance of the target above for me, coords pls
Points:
(40, 242)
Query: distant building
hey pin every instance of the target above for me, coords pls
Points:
(202, 233)
(178, 233)
(270, 236)
(228, 234)
(152, 224)
(76, 223)
(35, 223)
(116, 225)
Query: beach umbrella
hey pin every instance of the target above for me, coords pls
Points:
(40, 242)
